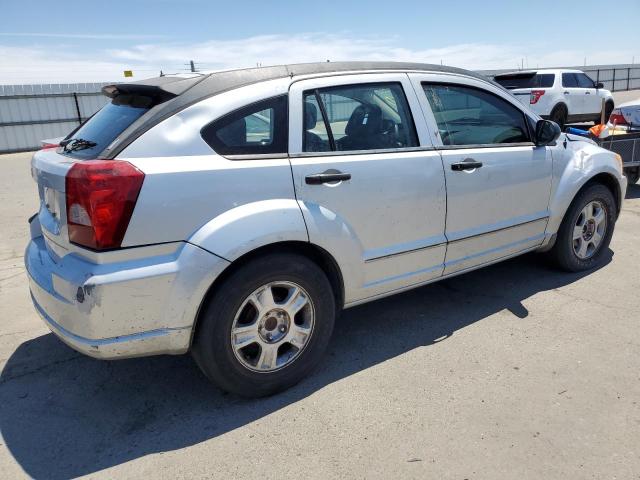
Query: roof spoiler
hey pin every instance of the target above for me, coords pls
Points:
(159, 88)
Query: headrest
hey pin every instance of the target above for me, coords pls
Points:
(310, 115)
(234, 134)
(366, 119)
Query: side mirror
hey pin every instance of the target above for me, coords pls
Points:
(599, 85)
(547, 132)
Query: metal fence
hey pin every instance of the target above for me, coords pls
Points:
(615, 78)
(31, 113)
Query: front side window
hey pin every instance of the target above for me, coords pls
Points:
(357, 117)
(584, 81)
(470, 116)
(259, 128)
(569, 80)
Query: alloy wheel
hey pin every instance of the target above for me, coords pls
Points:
(272, 326)
(589, 230)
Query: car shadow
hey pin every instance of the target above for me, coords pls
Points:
(64, 415)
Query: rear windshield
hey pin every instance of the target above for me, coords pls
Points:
(528, 80)
(97, 133)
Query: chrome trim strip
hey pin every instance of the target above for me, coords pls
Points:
(540, 237)
(404, 252)
(404, 275)
(336, 153)
(487, 145)
(546, 217)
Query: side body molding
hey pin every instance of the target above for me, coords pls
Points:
(242, 229)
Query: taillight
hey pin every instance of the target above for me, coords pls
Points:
(535, 96)
(617, 117)
(101, 195)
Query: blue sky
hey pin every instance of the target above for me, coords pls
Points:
(68, 41)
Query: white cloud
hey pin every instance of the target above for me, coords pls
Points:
(48, 64)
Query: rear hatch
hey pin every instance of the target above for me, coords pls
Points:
(130, 106)
(528, 87)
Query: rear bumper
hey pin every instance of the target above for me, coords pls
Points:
(136, 306)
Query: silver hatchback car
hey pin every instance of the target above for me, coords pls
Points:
(234, 214)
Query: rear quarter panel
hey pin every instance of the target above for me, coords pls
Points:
(190, 193)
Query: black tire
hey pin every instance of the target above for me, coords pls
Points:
(212, 347)
(563, 250)
(559, 115)
(633, 175)
(608, 108)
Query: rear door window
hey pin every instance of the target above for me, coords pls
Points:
(97, 133)
(470, 116)
(569, 80)
(357, 117)
(259, 128)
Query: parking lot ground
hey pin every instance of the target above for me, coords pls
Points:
(513, 371)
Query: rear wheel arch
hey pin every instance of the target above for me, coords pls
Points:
(557, 108)
(311, 251)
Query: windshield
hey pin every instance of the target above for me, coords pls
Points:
(97, 133)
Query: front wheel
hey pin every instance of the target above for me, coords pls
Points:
(266, 326)
(633, 175)
(586, 230)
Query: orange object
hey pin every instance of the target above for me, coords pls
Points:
(596, 130)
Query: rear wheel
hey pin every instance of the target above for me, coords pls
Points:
(559, 115)
(266, 326)
(586, 230)
(608, 108)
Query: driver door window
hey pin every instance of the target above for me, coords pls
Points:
(357, 117)
(470, 116)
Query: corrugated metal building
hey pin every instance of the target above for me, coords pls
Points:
(31, 113)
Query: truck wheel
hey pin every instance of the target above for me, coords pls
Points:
(633, 175)
(266, 326)
(608, 108)
(586, 229)
(559, 115)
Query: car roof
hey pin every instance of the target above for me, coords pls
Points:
(212, 83)
(539, 70)
(179, 92)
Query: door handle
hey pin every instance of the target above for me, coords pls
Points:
(466, 164)
(587, 93)
(566, 93)
(326, 177)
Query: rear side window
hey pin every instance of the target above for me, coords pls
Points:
(517, 80)
(259, 128)
(569, 80)
(470, 116)
(97, 133)
(357, 117)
